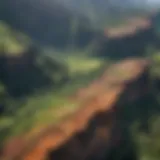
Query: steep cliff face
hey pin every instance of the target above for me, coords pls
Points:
(94, 131)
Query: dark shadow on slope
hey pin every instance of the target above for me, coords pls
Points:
(121, 143)
(21, 74)
(48, 24)
(124, 149)
(80, 142)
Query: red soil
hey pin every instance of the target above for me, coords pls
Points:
(98, 112)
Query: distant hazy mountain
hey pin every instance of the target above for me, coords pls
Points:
(102, 5)
(96, 10)
(52, 21)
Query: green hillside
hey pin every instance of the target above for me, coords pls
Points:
(37, 79)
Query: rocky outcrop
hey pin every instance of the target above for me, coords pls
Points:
(129, 40)
(94, 130)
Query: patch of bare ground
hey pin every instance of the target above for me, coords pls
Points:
(88, 131)
(133, 25)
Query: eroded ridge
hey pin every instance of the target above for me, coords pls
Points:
(134, 25)
(88, 132)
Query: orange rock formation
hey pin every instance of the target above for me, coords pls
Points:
(133, 25)
(92, 130)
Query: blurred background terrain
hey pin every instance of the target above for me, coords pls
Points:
(50, 49)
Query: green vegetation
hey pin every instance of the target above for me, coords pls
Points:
(148, 145)
(44, 106)
(82, 65)
(145, 127)
(12, 42)
(67, 71)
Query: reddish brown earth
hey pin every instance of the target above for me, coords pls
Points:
(129, 40)
(132, 26)
(91, 130)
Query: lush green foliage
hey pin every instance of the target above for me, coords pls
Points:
(44, 106)
(12, 42)
(148, 141)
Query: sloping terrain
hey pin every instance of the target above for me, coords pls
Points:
(20, 66)
(131, 39)
(93, 129)
(55, 19)
(60, 26)
(131, 27)
(96, 129)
